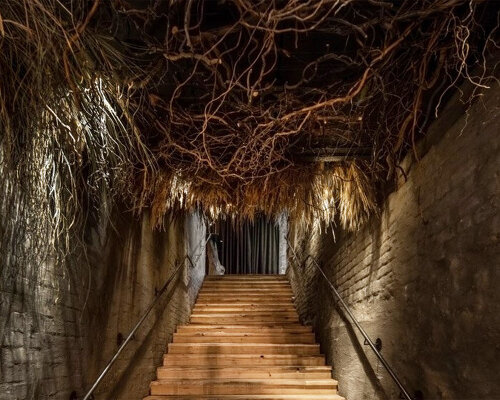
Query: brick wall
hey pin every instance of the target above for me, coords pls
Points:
(424, 276)
(60, 325)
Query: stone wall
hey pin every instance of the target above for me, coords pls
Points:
(424, 276)
(40, 351)
(61, 326)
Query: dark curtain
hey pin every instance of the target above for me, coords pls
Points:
(247, 247)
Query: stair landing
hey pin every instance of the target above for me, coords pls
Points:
(244, 341)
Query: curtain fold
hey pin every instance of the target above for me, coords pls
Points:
(248, 247)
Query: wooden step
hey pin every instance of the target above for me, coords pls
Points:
(247, 277)
(247, 294)
(238, 318)
(242, 348)
(237, 301)
(245, 285)
(252, 290)
(245, 328)
(277, 295)
(282, 295)
(243, 386)
(265, 298)
(250, 397)
(243, 311)
(249, 289)
(247, 282)
(249, 322)
(248, 305)
(245, 321)
(248, 334)
(269, 281)
(244, 338)
(242, 360)
(222, 293)
(263, 281)
(276, 372)
(243, 308)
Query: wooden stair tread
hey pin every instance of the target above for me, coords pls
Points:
(249, 356)
(254, 277)
(250, 313)
(249, 386)
(246, 285)
(297, 338)
(244, 345)
(243, 348)
(278, 368)
(263, 372)
(242, 360)
(246, 307)
(246, 289)
(247, 319)
(245, 292)
(249, 335)
(249, 397)
(250, 328)
(245, 381)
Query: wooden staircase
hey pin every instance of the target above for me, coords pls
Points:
(244, 341)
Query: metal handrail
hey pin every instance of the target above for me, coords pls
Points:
(143, 317)
(370, 343)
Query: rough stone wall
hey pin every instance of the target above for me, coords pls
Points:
(40, 348)
(424, 276)
(81, 309)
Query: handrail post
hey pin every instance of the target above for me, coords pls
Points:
(370, 343)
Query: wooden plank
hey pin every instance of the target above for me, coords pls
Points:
(265, 298)
(286, 304)
(249, 276)
(247, 284)
(244, 308)
(275, 372)
(243, 312)
(250, 397)
(245, 328)
(257, 317)
(243, 348)
(245, 338)
(242, 360)
(254, 291)
(247, 386)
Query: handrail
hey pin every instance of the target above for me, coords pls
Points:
(144, 316)
(370, 343)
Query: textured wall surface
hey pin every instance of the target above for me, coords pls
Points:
(282, 222)
(424, 276)
(40, 348)
(60, 328)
